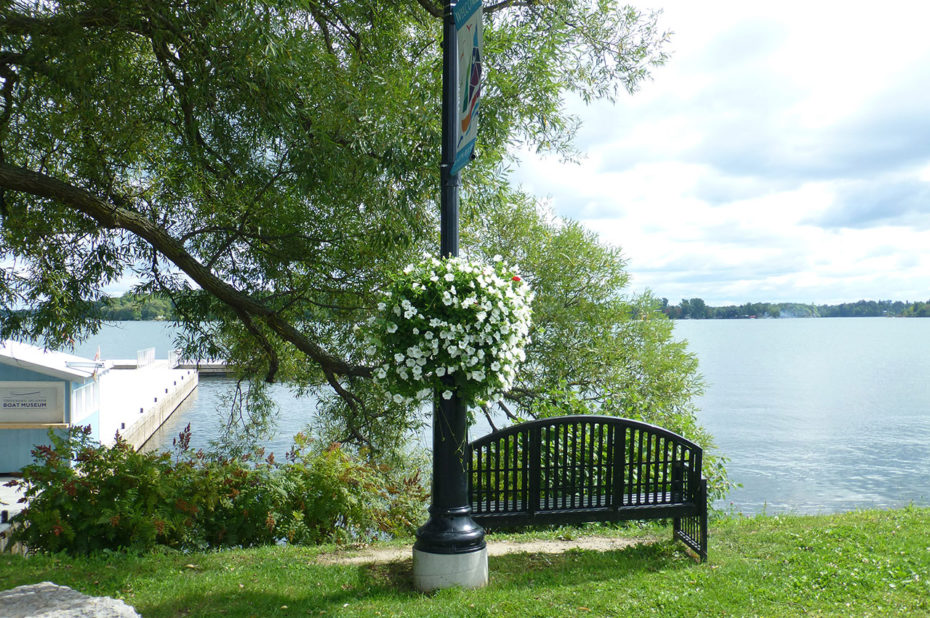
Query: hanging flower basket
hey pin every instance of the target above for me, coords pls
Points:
(454, 326)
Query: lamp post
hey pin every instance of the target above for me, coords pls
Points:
(450, 548)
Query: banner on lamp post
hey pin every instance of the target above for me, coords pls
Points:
(467, 16)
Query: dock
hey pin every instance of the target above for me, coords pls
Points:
(207, 368)
(136, 401)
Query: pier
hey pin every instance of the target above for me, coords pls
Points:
(136, 401)
(207, 368)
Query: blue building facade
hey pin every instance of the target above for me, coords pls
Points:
(43, 390)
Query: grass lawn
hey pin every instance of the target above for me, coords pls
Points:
(869, 563)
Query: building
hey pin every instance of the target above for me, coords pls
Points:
(42, 390)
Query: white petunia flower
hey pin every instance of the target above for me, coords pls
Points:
(483, 343)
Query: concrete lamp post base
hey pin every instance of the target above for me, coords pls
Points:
(437, 571)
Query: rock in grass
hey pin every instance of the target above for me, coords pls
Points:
(48, 600)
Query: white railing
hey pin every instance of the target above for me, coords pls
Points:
(145, 357)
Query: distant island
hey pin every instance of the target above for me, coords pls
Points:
(697, 309)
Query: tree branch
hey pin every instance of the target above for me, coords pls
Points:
(352, 400)
(487, 416)
(513, 417)
(324, 28)
(432, 9)
(116, 217)
(273, 362)
(17, 23)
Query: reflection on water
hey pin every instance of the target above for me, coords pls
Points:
(207, 412)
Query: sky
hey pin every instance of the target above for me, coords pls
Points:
(782, 154)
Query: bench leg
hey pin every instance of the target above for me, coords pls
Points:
(692, 531)
(703, 522)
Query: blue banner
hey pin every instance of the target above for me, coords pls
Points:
(467, 16)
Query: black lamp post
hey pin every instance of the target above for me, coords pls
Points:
(450, 548)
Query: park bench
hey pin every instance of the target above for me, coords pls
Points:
(583, 468)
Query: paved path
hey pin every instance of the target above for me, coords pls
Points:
(495, 548)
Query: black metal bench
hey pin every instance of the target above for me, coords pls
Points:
(573, 469)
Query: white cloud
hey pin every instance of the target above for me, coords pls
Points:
(782, 154)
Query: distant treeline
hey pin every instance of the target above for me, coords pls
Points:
(131, 307)
(697, 309)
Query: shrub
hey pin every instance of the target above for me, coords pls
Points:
(85, 497)
(338, 497)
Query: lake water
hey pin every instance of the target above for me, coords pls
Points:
(818, 415)
(815, 415)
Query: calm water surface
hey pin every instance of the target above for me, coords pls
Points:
(816, 415)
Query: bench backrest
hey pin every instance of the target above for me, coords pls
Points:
(581, 461)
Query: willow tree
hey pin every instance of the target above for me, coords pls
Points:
(269, 164)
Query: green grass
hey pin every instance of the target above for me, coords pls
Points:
(869, 563)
